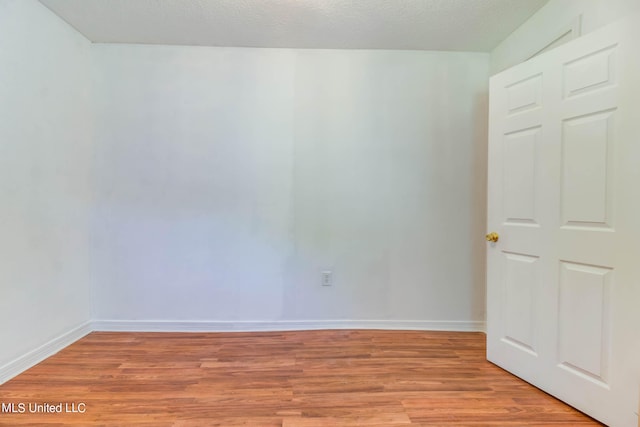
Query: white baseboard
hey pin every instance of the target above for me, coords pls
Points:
(50, 348)
(46, 350)
(282, 325)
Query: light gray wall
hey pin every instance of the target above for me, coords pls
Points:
(227, 179)
(193, 184)
(45, 144)
(551, 21)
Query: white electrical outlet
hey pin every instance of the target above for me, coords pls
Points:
(327, 278)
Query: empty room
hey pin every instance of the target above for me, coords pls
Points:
(306, 213)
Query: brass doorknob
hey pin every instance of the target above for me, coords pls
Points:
(492, 237)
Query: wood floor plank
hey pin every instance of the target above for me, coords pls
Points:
(293, 379)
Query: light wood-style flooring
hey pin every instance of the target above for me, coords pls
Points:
(290, 379)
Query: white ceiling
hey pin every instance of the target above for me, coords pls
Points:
(458, 25)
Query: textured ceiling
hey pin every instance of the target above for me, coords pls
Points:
(459, 25)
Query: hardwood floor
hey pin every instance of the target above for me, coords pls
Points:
(289, 379)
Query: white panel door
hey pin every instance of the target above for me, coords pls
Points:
(563, 278)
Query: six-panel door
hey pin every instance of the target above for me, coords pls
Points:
(560, 184)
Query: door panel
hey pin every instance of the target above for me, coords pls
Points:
(585, 322)
(562, 197)
(520, 283)
(586, 171)
(519, 197)
(594, 71)
(524, 95)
